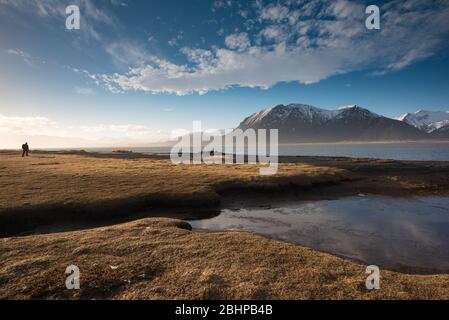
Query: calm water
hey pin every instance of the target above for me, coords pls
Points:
(376, 230)
(397, 151)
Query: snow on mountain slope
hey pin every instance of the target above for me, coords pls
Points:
(303, 113)
(305, 123)
(443, 129)
(281, 113)
(428, 121)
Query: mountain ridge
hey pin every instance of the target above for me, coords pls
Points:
(428, 121)
(306, 123)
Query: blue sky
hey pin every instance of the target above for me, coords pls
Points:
(138, 69)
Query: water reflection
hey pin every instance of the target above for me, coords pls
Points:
(376, 230)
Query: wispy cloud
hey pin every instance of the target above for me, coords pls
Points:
(54, 12)
(22, 54)
(84, 91)
(175, 40)
(126, 53)
(119, 3)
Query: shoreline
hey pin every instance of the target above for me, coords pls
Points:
(155, 146)
(307, 177)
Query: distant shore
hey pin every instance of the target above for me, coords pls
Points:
(371, 142)
(169, 145)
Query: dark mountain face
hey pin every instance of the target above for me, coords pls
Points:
(303, 123)
(442, 133)
(444, 129)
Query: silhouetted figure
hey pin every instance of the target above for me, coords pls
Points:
(25, 149)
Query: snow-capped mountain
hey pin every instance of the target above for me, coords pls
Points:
(305, 123)
(428, 121)
(304, 113)
(280, 113)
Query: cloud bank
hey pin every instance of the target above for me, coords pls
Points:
(285, 41)
(43, 132)
(301, 41)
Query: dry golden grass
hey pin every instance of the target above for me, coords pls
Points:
(162, 259)
(46, 178)
(52, 188)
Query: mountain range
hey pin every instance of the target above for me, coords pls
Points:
(428, 121)
(305, 123)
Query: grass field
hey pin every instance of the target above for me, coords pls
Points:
(158, 258)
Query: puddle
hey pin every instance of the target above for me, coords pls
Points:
(385, 231)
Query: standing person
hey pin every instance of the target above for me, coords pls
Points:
(25, 149)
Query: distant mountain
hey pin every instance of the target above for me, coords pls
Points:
(428, 121)
(304, 123)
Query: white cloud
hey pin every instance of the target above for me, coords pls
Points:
(276, 33)
(275, 12)
(256, 67)
(239, 41)
(219, 4)
(306, 45)
(172, 42)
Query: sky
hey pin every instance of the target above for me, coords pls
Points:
(136, 70)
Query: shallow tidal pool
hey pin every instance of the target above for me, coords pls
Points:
(385, 231)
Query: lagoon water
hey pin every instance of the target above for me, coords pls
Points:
(398, 151)
(377, 230)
